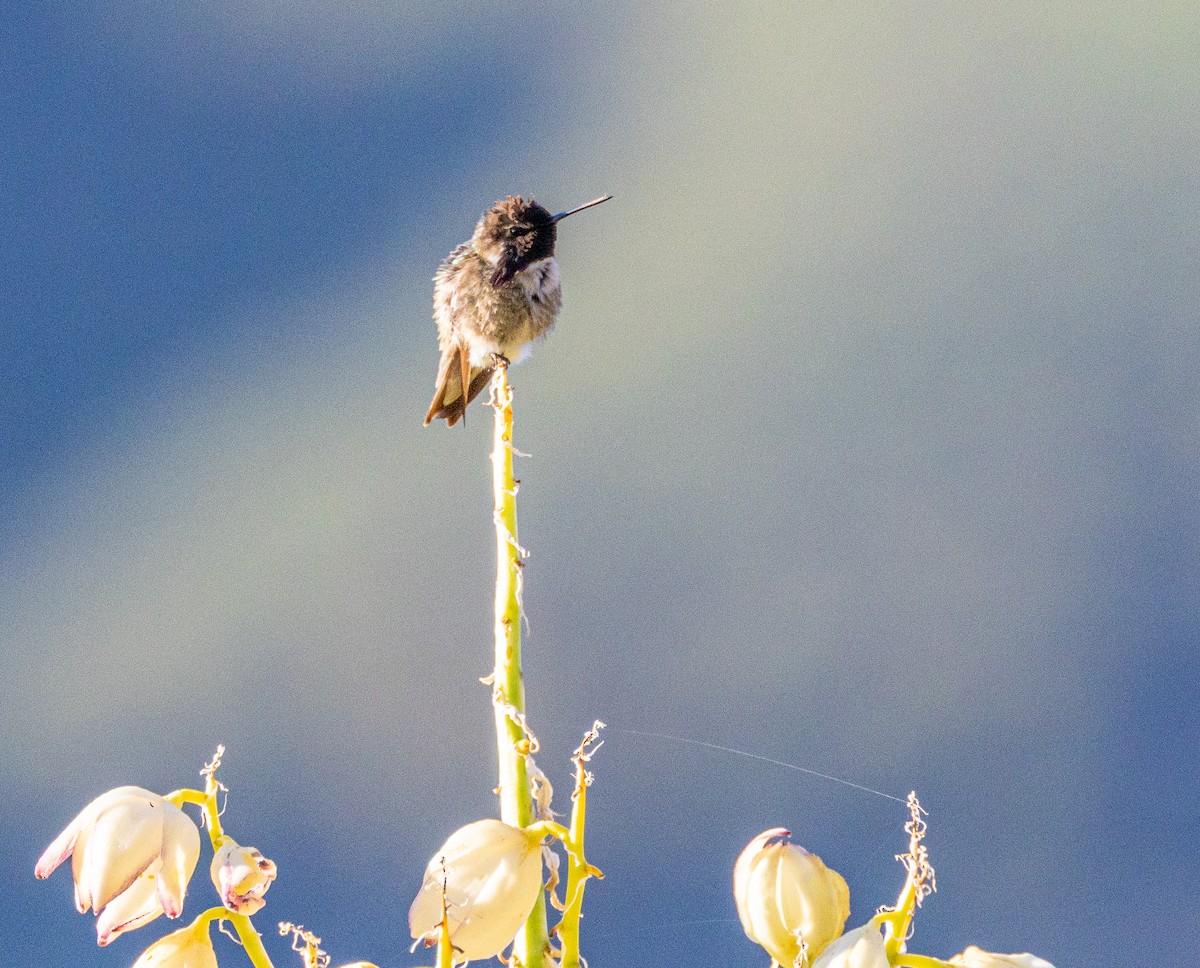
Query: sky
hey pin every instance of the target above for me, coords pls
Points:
(867, 442)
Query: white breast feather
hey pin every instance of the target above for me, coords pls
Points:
(539, 279)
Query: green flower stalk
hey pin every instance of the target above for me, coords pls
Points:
(445, 949)
(508, 685)
(578, 869)
(918, 885)
(207, 799)
(308, 946)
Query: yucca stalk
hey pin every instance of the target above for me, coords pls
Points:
(508, 686)
(578, 869)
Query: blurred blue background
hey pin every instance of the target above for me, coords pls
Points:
(867, 440)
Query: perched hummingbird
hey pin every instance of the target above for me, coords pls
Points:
(492, 297)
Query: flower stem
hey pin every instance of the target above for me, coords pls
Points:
(251, 940)
(578, 869)
(919, 961)
(898, 921)
(508, 686)
(207, 800)
(920, 882)
(445, 948)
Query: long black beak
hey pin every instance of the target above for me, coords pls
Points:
(594, 201)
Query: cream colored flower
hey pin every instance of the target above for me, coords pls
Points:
(132, 855)
(188, 947)
(974, 957)
(787, 899)
(492, 873)
(861, 948)
(241, 876)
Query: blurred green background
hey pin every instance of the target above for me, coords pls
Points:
(867, 440)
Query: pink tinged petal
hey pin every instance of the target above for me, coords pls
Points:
(261, 878)
(124, 841)
(180, 852)
(83, 899)
(247, 904)
(86, 822)
(242, 876)
(64, 843)
(138, 906)
(58, 851)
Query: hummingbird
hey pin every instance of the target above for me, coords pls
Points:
(493, 296)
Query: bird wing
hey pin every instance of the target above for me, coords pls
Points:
(447, 394)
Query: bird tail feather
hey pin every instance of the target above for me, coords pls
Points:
(454, 372)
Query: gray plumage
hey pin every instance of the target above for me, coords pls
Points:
(493, 296)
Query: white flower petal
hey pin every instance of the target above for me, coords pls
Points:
(974, 957)
(132, 851)
(241, 876)
(180, 852)
(63, 845)
(787, 899)
(744, 865)
(136, 907)
(861, 948)
(491, 873)
(59, 850)
(83, 898)
(188, 947)
(124, 840)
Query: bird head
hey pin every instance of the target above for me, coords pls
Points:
(514, 234)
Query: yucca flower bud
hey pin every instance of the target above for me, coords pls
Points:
(861, 948)
(974, 957)
(787, 899)
(132, 854)
(491, 873)
(241, 876)
(188, 947)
